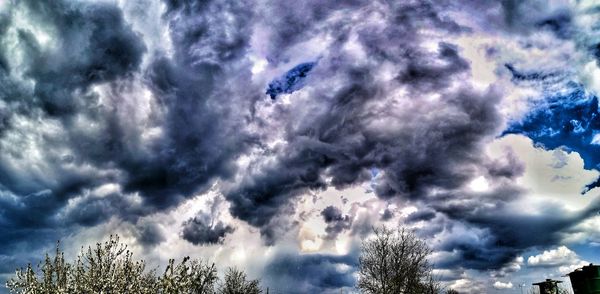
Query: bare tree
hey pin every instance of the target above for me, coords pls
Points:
(235, 282)
(395, 262)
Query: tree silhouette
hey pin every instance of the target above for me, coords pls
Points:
(395, 262)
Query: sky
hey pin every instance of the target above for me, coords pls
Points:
(274, 135)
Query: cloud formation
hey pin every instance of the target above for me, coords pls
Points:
(336, 222)
(314, 272)
(559, 256)
(199, 230)
(502, 285)
(114, 116)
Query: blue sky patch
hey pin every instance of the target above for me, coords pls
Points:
(570, 119)
(291, 81)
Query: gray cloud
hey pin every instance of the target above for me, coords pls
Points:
(103, 123)
(387, 214)
(506, 232)
(418, 144)
(311, 273)
(149, 233)
(423, 77)
(420, 153)
(336, 222)
(421, 215)
(96, 45)
(205, 227)
(85, 139)
(201, 230)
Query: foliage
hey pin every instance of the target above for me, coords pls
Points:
(394, 262)
(110, 268)
(235, 282)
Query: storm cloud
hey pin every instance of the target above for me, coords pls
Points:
(336, 222)
(314, 272)
(127, 116)
(198, 230)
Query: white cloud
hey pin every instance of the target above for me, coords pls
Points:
(596, 139)
(551, 176)
(479, 184)
(586, 232)
(502, 285)
(511, 267)
(565, 269)
(556, 257)
(466, 285)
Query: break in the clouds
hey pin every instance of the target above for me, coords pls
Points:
(293, 80)
(273, 135)
(568, 118)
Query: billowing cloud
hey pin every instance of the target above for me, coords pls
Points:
(568, 119)
(205, 227)
(310, 273)
(473, 123)
(199, 230)
(555, 257)
(502, 285)
(336, 222)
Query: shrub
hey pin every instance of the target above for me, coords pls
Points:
(110, 268)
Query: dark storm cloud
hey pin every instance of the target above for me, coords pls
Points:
(560, 22)
(149, 233)
(93, 44)
(425, 149)
(61, 140)
(201, 230)
(432, 228)
(202, 134)
(205, 227)
(503, 233)
(387, 214)
(96, 45)
(261, 198)
(421, 215)
(83, 140)
(507, 167)
(311, 273)
(295, 23)
(528, 16)
(336, 222)
(205, 114)
(92, 211)
(36, 178)
(423, 77)
(519, 76)
(332, 214)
